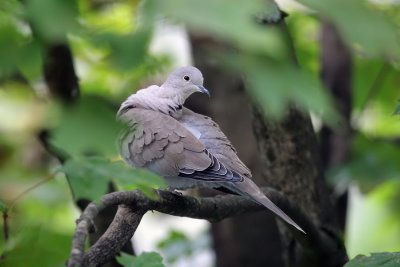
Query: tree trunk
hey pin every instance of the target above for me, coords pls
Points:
(242, 240)
(288, 160)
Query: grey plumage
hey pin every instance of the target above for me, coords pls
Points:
(186, 148)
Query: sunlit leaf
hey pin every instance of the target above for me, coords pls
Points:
(146, 259)
(305, 32)
(372, 222)
(20, 112)
(116, 17)
(126, 50)
(375, 82)
(376, 260)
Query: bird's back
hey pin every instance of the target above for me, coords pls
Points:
(216, 142)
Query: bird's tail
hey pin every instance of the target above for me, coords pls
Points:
(251, 190)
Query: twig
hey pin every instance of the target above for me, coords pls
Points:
(6, 231)
(29, 189)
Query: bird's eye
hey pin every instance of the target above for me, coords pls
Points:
(186, 78)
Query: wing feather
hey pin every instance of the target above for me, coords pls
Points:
(163, 145)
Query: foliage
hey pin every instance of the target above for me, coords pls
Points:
(110, 45)
(3, 206)
(177, 246)
(87, 128)
(263, 53)
(397, 110)
(146, 259)
(375, 260)
(356, 20)
(89, 178)
(374, 217)
(369, 155)
(31, 244)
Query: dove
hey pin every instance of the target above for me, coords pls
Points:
(186, 148)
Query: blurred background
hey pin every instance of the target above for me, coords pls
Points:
(66, 65)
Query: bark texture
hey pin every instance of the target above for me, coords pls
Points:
(240, 240)
(290, 149)
(134, 204)
(287, 149)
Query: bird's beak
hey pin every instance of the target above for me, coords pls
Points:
(203, 90)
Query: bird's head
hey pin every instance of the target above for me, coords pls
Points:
(185, 81)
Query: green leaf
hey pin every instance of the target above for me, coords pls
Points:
(227, 20)
(146, 259)
(126, 51)
(11, 41)
(89, 127)
(129, 178)
(89, 177)
(29, 60)
(373, 223)
(274, 85)
(177, 245)
(375, 82)
(397, 110)
(61, 17)
(37, 246)
(17, 47)
(3, 206)
(373, 162)
(173, 237)
(384, 259)
(356, 21)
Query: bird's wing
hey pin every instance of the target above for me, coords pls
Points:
(215, 141)
(162, 144)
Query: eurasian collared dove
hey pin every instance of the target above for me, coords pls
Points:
(186, 148)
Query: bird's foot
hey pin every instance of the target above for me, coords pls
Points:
(174, 191)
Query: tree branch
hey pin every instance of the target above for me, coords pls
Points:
(118, 234)
(135, 204)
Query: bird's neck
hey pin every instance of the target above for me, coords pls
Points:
(157, 99)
